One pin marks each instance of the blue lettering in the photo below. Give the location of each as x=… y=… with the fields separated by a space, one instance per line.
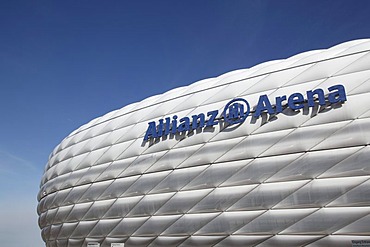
x=234 y=111
x=184 y=124
x=339 y=95
x=167 y=126
x=160 y=128
x=263 y=105
x=279 y=103
x=212 y=116
x=174 y=125
x=198 y=124
x=151 y=131
x=295 y=101
x=311 y=99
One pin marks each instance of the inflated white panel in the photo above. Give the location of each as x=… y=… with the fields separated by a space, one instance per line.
x=304 y=138
x=221 y=198
x=310 y=165
x=355 y=197
x=115 y=168
x=78 y=210
x=62 y=214
x=339 y=241
x=291 y=240
x=127 y=226
x=293 y=178
x=150 y=204
x=98 y=209
x=274 y=221
x=145 y=183
x=241 y=241
x=173 y=158
x=327 y=220
x=178 y=179
x=234 y=220
x=156 y=224
x=267 y=195
x=360 y=226
x=142 y=163
x=118 y=187
x=190 y=223
x=353 y=134
x=258 y=170
x=208 y=153
x=183 y=201
x=319 y=192
x=213 y=176
x=359 y=165
x=234 y=89
x=201 y=241
x=139 y=241
x=122 y=206
x=254 y=145
x=83 y=228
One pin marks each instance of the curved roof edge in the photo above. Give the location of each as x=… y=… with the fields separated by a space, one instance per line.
x=301 y=59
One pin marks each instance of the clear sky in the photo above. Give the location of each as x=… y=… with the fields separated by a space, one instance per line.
x=63 y=63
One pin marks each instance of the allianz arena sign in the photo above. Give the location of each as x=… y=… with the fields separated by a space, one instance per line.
x=273 y=155
x=237 y=110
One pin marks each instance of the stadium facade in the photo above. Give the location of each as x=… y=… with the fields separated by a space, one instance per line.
x=274 y=155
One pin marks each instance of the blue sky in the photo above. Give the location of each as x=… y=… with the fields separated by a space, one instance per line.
x=63 y=63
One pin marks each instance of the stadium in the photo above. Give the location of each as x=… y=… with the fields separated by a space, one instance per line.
x=274 y=155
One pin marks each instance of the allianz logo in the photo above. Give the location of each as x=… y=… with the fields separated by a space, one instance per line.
x=237 y=110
